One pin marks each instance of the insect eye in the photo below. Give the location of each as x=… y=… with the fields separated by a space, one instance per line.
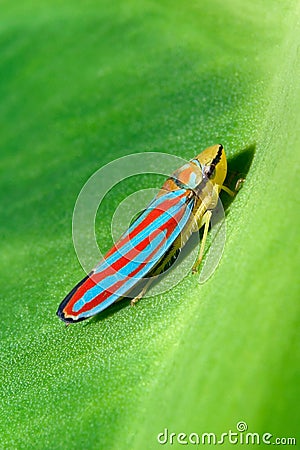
x=210 y=171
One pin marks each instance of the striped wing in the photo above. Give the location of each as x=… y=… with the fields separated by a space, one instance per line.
x=131 y=258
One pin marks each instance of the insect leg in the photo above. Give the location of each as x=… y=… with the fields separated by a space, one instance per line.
x=238 y=186
x=204 y=221
x=141 y=294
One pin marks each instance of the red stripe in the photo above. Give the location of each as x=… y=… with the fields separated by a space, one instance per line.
x=151 y=216
x=92 y=281
x=104 y=295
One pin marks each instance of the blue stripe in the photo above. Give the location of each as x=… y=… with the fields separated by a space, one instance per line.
x=146 y=231
x=110 y=280
x=195 y=161
x=153 y=205
x=106 y=283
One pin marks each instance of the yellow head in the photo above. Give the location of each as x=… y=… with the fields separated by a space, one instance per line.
x=209 y=165
x=213 y=164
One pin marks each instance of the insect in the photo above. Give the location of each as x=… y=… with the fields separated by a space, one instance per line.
x=153 y=241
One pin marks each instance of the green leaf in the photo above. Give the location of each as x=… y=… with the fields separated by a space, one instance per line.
x=81 y=85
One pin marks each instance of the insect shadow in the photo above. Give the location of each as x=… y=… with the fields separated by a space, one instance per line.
x=239 y=166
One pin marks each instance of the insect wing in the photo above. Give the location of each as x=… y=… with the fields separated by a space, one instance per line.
x=131 y=258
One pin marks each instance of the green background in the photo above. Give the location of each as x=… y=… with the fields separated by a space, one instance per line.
x=80 y=85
